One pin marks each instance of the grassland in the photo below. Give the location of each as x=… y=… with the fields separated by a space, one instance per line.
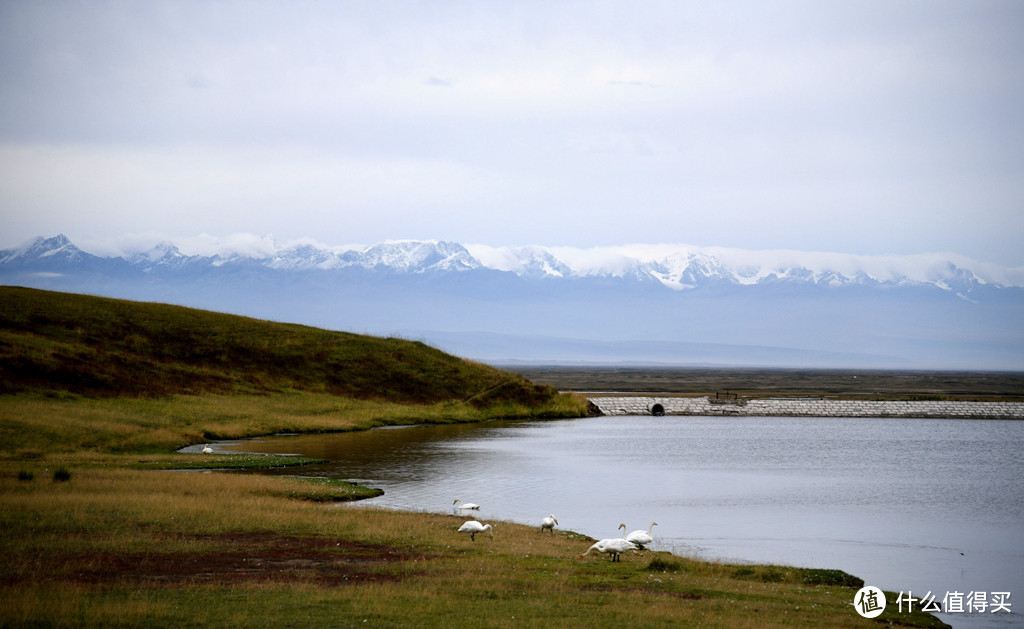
x=113 y=547
x=104 y=528
x=853 y=384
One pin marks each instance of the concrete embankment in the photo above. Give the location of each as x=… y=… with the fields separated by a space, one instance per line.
x=805 y=407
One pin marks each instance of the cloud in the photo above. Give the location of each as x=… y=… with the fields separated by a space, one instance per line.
x=434 y=81
x=869 y=127
x=241 y=244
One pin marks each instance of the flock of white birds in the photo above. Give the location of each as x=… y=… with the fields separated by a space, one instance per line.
x=612 y=546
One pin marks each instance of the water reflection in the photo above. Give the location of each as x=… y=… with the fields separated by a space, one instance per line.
x=385 y=457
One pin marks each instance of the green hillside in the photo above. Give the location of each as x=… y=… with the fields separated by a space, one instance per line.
x=108 y=347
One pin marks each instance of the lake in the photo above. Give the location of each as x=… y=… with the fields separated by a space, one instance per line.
x=906 y=504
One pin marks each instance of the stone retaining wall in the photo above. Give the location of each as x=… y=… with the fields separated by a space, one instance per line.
x=809 y=408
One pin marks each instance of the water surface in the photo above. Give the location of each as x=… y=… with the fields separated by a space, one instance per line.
x=922 y=505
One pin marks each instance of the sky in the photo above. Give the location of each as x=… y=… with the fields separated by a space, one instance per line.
x=870 y=127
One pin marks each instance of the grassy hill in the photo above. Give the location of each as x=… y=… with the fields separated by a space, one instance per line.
x=108 y=347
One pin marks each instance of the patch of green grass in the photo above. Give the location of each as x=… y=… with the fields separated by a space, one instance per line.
x=820 y=576
x=664 y=563
x=809 y=576
x=331 y=490
x=223 y=462
x=33 y=424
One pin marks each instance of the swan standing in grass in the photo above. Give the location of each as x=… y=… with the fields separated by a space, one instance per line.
x=473 y=527
x=613 y=546
x=639 y=537
x=207 y=450
x=465 y=505
x=548 y=523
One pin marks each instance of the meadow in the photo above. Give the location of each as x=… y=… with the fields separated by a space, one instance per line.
x=109 y=546
x=107 y=525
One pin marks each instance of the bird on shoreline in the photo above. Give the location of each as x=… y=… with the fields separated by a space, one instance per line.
x=207 y=450
x=548 y=523
x=613 y=546
x=639 y=537
x=465 y=505
x=473 y=527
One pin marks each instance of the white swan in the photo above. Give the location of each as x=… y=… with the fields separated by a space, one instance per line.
x=473 y=527
x=613 y=546
x=548 y=523
x=207 y=450
x=639 y=537
x=465 y=505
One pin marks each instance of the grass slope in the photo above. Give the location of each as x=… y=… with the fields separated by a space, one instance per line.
x=107 y=347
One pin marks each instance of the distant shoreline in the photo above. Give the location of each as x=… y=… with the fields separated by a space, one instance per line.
x=765 y=383
x=804 y=407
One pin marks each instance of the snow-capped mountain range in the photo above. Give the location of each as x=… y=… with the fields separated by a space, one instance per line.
x=677 y=267
x=666 y=304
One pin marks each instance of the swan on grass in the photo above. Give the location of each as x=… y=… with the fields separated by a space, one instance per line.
x=548 y=523
x=639 y=537
x=613 y=546
x=473 y=527
x=465 y=505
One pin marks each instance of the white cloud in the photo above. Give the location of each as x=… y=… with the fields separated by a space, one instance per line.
x=870 y=127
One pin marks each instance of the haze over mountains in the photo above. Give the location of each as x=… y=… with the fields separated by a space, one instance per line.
x=636 y=304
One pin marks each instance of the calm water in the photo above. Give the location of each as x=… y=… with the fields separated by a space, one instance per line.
x=922 y=505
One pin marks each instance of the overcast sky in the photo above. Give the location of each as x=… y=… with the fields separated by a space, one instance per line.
x=859 y=126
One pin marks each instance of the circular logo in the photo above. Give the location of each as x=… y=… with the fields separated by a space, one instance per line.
x=869 y=601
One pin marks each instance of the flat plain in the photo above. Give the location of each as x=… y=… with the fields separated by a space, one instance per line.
x=761 y=383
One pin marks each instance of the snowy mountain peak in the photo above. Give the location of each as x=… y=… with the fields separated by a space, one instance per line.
x=304 y=256
x=688 y=269
x=58 y=249
x=677 y=267
x=531 y=262
x=160 y=254
x=419 y=256
x=58 y=246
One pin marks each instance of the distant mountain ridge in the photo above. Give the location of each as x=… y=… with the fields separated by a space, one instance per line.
x=677 y=267
x=635 y=304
